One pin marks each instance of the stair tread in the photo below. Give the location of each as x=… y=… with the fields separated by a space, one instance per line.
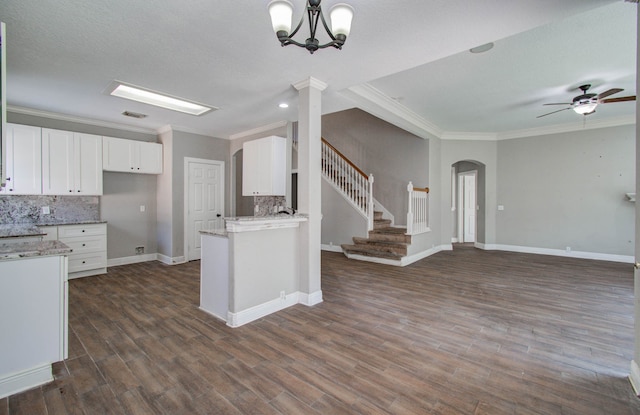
x=359 y=250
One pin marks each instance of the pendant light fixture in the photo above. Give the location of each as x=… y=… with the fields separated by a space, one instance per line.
x=341 y=14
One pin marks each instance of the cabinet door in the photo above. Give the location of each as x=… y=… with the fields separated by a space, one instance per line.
x=149 y=157
x=24 y=168
x=263 y=167
x=117 y=154
x=57 y=162
x=88 y=164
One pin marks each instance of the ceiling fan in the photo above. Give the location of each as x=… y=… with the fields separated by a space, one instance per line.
x=586 y=104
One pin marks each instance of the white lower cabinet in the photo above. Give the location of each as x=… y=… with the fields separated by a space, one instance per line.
x=33 y=321
x=89 y=245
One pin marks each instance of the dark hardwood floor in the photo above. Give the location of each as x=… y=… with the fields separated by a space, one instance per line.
x=461 y=332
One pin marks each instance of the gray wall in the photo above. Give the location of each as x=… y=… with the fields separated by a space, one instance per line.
x=123 y=193
x=392 y=155
x=171 y=185
x=568 y=190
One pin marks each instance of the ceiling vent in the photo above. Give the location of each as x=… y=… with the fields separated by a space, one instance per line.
x=134 y=114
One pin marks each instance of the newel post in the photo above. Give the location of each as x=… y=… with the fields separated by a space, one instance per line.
x=370 y=204
x=410 y=209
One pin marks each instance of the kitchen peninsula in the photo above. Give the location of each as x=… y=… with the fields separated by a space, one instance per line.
x=251 y=268
x=33 y=311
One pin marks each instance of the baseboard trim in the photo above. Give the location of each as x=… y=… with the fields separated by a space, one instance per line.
x=22 y=381
x=262 y=310
x=331 y=248
x=114 y=262
x=310 y=299
x=171 y=261
x=557 y=252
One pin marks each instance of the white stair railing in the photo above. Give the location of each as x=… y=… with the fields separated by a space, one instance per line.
x=418 y=212
x=349 y=180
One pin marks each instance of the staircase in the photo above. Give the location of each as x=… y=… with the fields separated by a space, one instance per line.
x=385 y=243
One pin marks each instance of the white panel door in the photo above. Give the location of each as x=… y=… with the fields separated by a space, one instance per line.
x=24 y=168
x=57 y=162
x=470 y=208
x=205 y=209
x=88 y=164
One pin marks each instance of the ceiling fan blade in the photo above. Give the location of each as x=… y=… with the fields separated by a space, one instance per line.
x=549 y=113
x=609 y=92
x=558 y=103
x=620 y=99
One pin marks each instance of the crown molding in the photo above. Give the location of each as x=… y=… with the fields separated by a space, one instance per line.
x=384 y=107
x=258 y=130
x=587 y=124
x=461 y=135
x=310 y=82
x=80 y=120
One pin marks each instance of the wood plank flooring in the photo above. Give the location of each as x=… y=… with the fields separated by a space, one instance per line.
x=461 y=332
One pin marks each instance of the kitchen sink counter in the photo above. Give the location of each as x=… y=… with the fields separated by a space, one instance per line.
x=10 y=251
x=75 y=222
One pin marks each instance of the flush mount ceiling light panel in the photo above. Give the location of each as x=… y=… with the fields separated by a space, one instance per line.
x=341 y=14
x=147 y=96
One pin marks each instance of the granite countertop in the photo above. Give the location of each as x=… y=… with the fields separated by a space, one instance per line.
x=32 y=249
x=19 y=230
x=280 y=216
x=28 y=229
x=214 y=232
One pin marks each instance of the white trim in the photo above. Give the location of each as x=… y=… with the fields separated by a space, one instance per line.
x=377 y=103
x=134 y=259
x=310 y=299
x=27 y=379
x=310 y=82
x=72 y=118
x=634 y=377
x=382 y=106
x=331 y=248
x=629 y=259
x=171 y=261
x=566 y=128
x=471 y=136
x=261 y=310
x=258 y=130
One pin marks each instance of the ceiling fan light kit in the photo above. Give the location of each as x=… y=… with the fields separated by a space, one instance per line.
x=586 y=104
x=340 y=15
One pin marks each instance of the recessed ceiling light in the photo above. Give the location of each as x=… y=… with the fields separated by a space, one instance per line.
x=147 y=96
x=482 y=48
x=283 y=105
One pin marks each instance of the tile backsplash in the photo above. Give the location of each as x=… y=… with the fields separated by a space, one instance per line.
x=268 y=205
x=29 y=209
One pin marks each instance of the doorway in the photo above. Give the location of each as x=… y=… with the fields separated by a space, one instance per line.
x=467 y=206
x=203 y=200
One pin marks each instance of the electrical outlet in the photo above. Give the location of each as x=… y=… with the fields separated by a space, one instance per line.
x=46 y=210
x=139 y=250
x=282 y=295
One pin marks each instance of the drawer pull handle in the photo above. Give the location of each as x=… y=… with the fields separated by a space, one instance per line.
x=83 y=230
x=84 y=262
x=84 y=244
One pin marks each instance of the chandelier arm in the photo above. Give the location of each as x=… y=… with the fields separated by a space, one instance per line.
x=326 y=27
x=289 y=41
x=313 y=12
x=336 y=44
x=292 y=34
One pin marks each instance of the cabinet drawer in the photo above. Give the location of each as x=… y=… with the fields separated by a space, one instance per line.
x=70 y=231
x=83 y=262
x=83 y=244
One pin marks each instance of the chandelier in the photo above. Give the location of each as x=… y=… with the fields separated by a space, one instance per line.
x=281 y=12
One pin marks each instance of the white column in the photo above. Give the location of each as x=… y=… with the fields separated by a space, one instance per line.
x=309 y=186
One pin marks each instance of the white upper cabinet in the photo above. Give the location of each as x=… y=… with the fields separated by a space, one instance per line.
x=131 y=156
x=264 y=167
x=24 y=168
x=71 y=163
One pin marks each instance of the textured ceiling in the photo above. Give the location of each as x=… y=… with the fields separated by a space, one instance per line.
x=62 y=54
